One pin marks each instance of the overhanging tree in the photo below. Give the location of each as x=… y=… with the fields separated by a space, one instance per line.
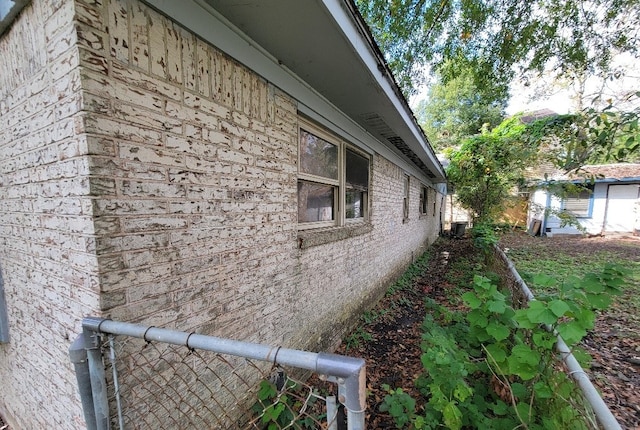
x=457 y=109
x=495 y=39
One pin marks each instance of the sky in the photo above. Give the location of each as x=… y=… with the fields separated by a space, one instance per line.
x=558 y=99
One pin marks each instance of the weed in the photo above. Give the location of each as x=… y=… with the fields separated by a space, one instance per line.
x=277 y=408
x=356 y=338
x=495 y=367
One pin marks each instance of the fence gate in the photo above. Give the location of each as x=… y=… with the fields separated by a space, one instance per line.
x=132 y=376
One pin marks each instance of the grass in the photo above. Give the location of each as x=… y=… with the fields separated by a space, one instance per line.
x=560 y=263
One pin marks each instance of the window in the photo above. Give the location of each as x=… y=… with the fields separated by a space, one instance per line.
x=435 y=195
x=424 y=200
x=4 y=321
x=405 y=199
x=331 y=176
x=578 y=201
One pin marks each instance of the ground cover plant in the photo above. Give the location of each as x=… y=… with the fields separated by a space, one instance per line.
x=614 y=344
x=396 y=373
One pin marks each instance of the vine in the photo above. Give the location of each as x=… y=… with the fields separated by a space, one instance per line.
x=493 y=366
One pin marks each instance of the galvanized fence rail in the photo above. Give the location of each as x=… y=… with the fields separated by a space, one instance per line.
x=522 y=295
x=133 y=376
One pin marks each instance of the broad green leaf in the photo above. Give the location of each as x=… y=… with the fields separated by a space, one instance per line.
x=452 y=416
x=477 y=318
x=498 y=330
x=592 y=284
x=472 y=300
x=538 y=312
x=599 y=301
x=558 y=307
x=267 y=390
x=543 y=390
x=497 y=352
x=572 y=332
x=525 y=411
x=522 y=318
x=499 y=408
x=496 y=306
x=462 y=391
x=543 y=280
x=523 y=362
x=519 y=390
x=272 y=413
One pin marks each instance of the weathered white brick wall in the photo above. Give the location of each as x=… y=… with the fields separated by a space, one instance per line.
x=47 y=249
x=339 y=280
x=195 y=175
x=197 y=208
x=161 y=173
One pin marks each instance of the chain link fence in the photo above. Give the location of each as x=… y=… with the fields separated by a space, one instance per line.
x=149 y=378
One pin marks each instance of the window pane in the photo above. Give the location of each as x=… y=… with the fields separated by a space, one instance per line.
x=579 y=204
x=317 y=156
x=423 y=200
x=405 y=200
x=357 y=174
x=355 y=203
x=315 y=202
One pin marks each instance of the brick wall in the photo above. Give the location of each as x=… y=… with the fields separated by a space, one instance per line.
x=196 y=219
x=339 y=280
x=168 y=184
x=195 y=178
x=47 y=250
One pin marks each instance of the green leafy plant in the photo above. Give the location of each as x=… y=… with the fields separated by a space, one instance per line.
x=484 y=237
x=402 y=408
x=276 y=408
x=357 y=337
x=494 y=366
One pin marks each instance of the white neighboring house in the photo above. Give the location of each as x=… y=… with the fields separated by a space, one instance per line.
x=609 y=205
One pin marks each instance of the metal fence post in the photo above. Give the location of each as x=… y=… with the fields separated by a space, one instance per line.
x=332 y=413
x=97 y=373
x=350 y=374
x=78 y=356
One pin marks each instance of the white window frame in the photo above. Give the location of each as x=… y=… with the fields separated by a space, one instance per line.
x=424 y=200
x=339 y=185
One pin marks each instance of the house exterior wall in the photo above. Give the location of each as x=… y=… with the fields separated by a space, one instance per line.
x=166 y=193
x=196 y=220
x=594 y=224
x=47 y=248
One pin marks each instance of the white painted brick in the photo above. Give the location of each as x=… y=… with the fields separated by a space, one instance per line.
x=119 y=29
x=139 y=37
x=146 y=154
x=152 y=84
x=172 y=190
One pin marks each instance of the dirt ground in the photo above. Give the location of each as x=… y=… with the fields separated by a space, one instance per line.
x=393 y=354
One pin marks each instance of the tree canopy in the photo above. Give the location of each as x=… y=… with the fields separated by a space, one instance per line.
x=487 y=167
x=495 y=39
x=457 y=109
